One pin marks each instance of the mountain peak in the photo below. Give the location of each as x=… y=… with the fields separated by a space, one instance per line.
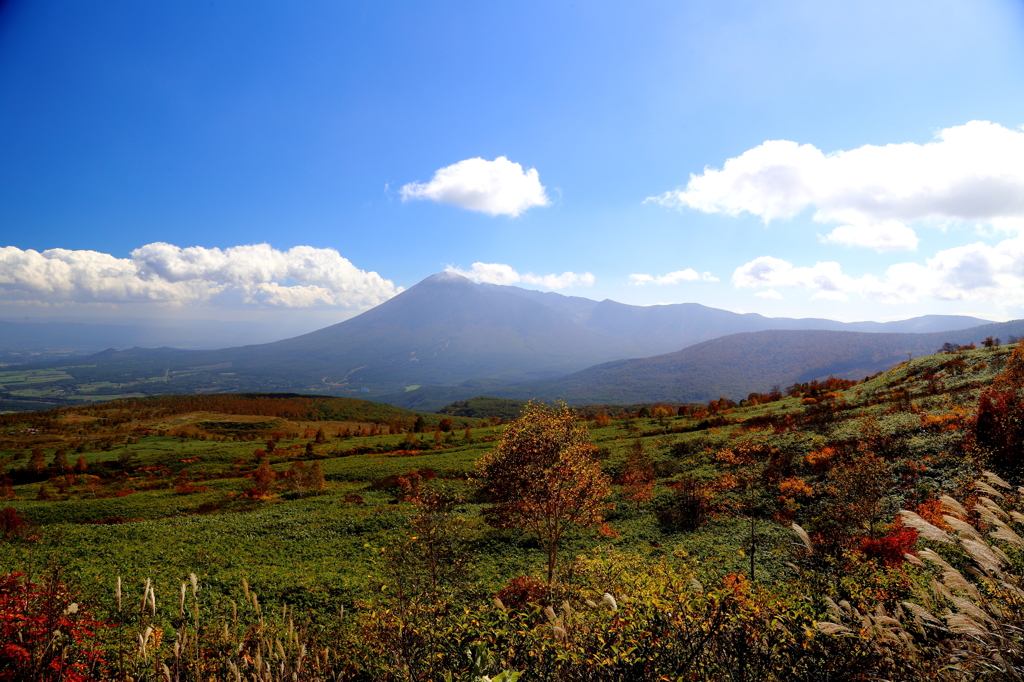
x=447 y=277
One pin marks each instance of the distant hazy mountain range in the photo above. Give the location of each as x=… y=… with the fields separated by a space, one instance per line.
x=447 y=331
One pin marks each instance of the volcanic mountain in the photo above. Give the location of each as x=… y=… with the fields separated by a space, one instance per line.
x=447 y=330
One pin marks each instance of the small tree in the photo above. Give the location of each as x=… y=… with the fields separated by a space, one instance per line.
x=37 y=462
x=60 y=465
x=263 y=479
x=637 y=477
x=544 y=478
x=317 y=483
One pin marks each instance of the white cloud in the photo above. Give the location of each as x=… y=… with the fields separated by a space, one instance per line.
x=970 y=173
x=166 y=274
x=499 y=273
x=973 y=272
x=887 y=235
x=775 y=272
x=687 y=275
x=770 y=293
x=498 y=187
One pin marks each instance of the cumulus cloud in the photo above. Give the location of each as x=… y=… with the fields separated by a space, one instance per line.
x=885 y=235
x=498 y=187
x=256 y=274
x=973 y=272
x=770 y=293
x=970 y=173
x=499 y=273
x=687 y=275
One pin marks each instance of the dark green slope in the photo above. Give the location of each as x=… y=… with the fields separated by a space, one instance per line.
x=735 y=365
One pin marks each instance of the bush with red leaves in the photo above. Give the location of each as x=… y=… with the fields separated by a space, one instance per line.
x=521 y=592
x=44 y=635
x=889 y=549
x=12 y=525
x=998 y=430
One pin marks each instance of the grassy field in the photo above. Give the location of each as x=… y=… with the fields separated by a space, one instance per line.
x=163 y=492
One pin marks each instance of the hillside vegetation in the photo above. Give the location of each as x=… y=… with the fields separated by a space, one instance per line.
x=347 y=552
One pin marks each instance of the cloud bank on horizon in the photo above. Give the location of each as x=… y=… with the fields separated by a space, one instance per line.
x=500 y=273
x=974 y=272
x=687 y=275
x=971 y=173
x=499 y=187
x=165 y=274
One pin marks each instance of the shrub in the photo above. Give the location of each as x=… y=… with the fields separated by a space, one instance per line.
x=688 y=507
x=45 y=636
x=520 y=592
x=12 y=525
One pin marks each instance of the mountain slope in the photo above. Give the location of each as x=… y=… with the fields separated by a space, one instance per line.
x=444 y=331
x=735 y=365
x=730 y=366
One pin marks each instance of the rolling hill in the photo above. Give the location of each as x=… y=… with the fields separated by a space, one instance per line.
x=730 y=367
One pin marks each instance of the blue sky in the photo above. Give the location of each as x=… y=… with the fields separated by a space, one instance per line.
x=147 y=150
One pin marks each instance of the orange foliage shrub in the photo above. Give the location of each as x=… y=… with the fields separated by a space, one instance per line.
x=932 y=511
x=795 y=487
x=820 y=460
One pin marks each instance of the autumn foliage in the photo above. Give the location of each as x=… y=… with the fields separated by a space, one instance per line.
x=544 y=478
x=44 y=635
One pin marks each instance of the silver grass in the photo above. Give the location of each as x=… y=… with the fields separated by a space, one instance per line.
x=695 y=584
x=912 y=558
x=1004 y=533
x=921 y=612
x=963 y=625
x=962 y=527
x=609 y=600
x=986 y=488
x=833 y=628
x=995 y=480
x=991 y=506
x=925 y=529
x=969 y=608
x=550 y=613
x=804 y=537
x=953 y=506
x=982 y=554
